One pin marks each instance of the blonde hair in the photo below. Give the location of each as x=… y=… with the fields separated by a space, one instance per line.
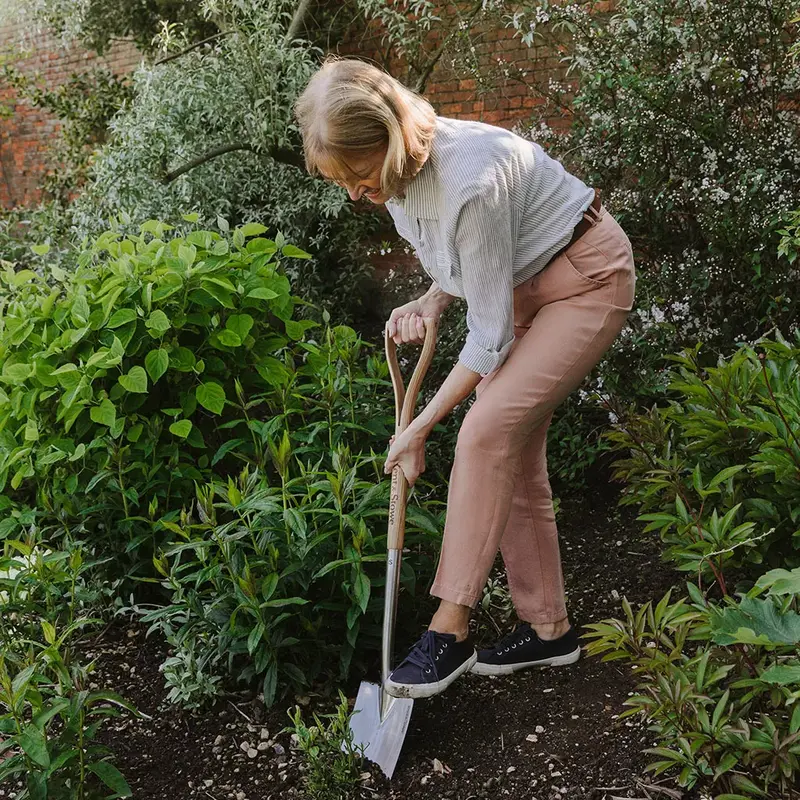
x=351 y=108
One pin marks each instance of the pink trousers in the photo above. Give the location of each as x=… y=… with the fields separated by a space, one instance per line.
x=565 y=318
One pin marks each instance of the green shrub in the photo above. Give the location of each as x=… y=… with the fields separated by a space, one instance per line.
x=49 y=223
x=212 y=131
x=716 y=470
x=49 y=717
x=114 y=376
x=165 y=399
x=720 y=685
x=275 y=582
x=681 y=113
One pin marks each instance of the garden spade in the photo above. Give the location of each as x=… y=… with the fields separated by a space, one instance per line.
x=379 y=721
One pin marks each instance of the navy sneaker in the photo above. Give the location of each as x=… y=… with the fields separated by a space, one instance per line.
x=433 y=663
x=522 y=648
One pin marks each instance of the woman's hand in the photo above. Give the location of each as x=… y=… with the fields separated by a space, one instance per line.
x=408 y=452
x=408 y=323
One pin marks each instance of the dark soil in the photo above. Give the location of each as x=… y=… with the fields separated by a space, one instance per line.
x=552 y=734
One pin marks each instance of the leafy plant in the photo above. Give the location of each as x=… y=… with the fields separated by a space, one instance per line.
x=50 y=719
x=681 y=113
x=720 y=684
x=276 y=582
x=332 y=760
x=716 y=473
x=164 y=398
x=716 y=470
x=112 y=374
x=48 y=715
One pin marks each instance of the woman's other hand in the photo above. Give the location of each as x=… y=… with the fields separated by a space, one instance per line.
x=408 y=452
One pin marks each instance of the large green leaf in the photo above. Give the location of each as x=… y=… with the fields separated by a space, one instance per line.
x=780 y=581
x=229 y=338
x=782 y=674
x=111 y=777
x=34 y=745
x=240 y=324
x=121 y=317
x=361 y=589
x=262 y=293
x=182 y=359
x=156 y=363
x=135 y=380
x=755 y=621
x=290 y=251
x=80 y=311
x=211 y=396
x=181 y=428
x=158 y=323
x=37 y=785
x=105 y=413
x=253 y=229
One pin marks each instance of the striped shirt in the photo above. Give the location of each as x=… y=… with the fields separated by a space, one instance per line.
x=485 y=213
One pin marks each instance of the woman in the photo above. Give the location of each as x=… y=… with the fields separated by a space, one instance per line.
x=548 y=277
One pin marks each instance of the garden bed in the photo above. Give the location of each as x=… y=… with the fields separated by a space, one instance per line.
x=545 y=734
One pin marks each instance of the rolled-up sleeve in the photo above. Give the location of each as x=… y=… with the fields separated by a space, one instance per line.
x=486 y=252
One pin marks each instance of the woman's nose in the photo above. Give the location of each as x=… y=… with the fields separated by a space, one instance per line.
x=355 y=194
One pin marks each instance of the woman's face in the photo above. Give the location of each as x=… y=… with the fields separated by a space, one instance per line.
x=366 y=177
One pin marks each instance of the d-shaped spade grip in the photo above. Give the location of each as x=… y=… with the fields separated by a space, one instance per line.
x=405 y=402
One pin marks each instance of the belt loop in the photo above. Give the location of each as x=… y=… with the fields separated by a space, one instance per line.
x=592 y=214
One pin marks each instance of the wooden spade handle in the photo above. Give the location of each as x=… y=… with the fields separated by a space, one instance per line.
x=405 y=402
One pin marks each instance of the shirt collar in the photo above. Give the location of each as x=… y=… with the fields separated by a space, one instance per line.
x=422 y=192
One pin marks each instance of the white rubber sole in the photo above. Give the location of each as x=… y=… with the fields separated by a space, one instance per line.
x=418 y=691
x=480 y=668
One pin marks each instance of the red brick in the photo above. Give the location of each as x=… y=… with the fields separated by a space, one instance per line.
x=25 y=137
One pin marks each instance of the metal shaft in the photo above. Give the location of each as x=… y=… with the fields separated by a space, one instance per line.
x=393 y=558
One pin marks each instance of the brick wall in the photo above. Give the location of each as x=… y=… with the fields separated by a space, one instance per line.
x=499 y=53
x=25 y=135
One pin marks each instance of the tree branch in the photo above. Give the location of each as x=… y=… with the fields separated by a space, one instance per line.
x=283 y=155
x=429 y=67
x=193 y=47
x=299 y=16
